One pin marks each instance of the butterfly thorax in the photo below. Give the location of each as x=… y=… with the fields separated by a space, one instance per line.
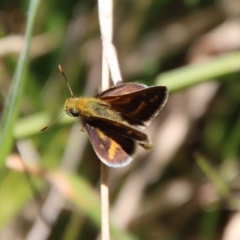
x=91 y=108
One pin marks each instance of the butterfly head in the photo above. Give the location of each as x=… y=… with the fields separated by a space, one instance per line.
x=71 y=107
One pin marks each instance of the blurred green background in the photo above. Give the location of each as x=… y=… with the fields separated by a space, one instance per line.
x=187 y=187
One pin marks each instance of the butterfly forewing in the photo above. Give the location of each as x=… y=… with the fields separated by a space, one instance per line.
x=121 y=129
x=142 y=105
x=112 y=149
x=123 y=89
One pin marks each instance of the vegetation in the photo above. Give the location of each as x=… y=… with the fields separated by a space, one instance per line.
x=186 y=187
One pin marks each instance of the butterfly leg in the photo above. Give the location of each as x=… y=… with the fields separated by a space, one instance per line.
x=146 y=146
x=83 y=129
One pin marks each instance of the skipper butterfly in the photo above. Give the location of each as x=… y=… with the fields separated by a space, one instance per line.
x=115 y=119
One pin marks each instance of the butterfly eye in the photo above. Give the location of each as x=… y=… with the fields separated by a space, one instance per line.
x=74 y=112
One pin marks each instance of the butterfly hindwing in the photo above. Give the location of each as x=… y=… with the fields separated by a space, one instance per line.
x=112 y=149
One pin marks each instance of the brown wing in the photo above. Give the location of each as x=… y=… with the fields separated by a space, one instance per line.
x=120 y=129
x=112 y=149
x=122 y=89
x=141 y=105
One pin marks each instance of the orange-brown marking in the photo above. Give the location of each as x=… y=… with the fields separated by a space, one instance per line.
x=113 y=149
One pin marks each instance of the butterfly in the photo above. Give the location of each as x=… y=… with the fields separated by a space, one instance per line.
x=115 y=119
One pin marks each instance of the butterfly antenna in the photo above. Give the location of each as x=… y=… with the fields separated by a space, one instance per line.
x=44 y=128
x=62 y=72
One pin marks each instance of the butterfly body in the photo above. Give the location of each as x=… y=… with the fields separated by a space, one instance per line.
x=88 y=108
x=114 y=119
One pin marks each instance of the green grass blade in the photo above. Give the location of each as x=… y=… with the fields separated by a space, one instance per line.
x=192 y=74
x=82 y=195
x=213 y=176
x=12 y=103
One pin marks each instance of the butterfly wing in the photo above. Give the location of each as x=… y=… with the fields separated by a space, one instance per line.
x=113 y=149
x=115 y=141
x=121 y=129
x=122 y=89
x=138 y=107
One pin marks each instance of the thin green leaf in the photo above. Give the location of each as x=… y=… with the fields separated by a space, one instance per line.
x=12 y=103
x=192 y=74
